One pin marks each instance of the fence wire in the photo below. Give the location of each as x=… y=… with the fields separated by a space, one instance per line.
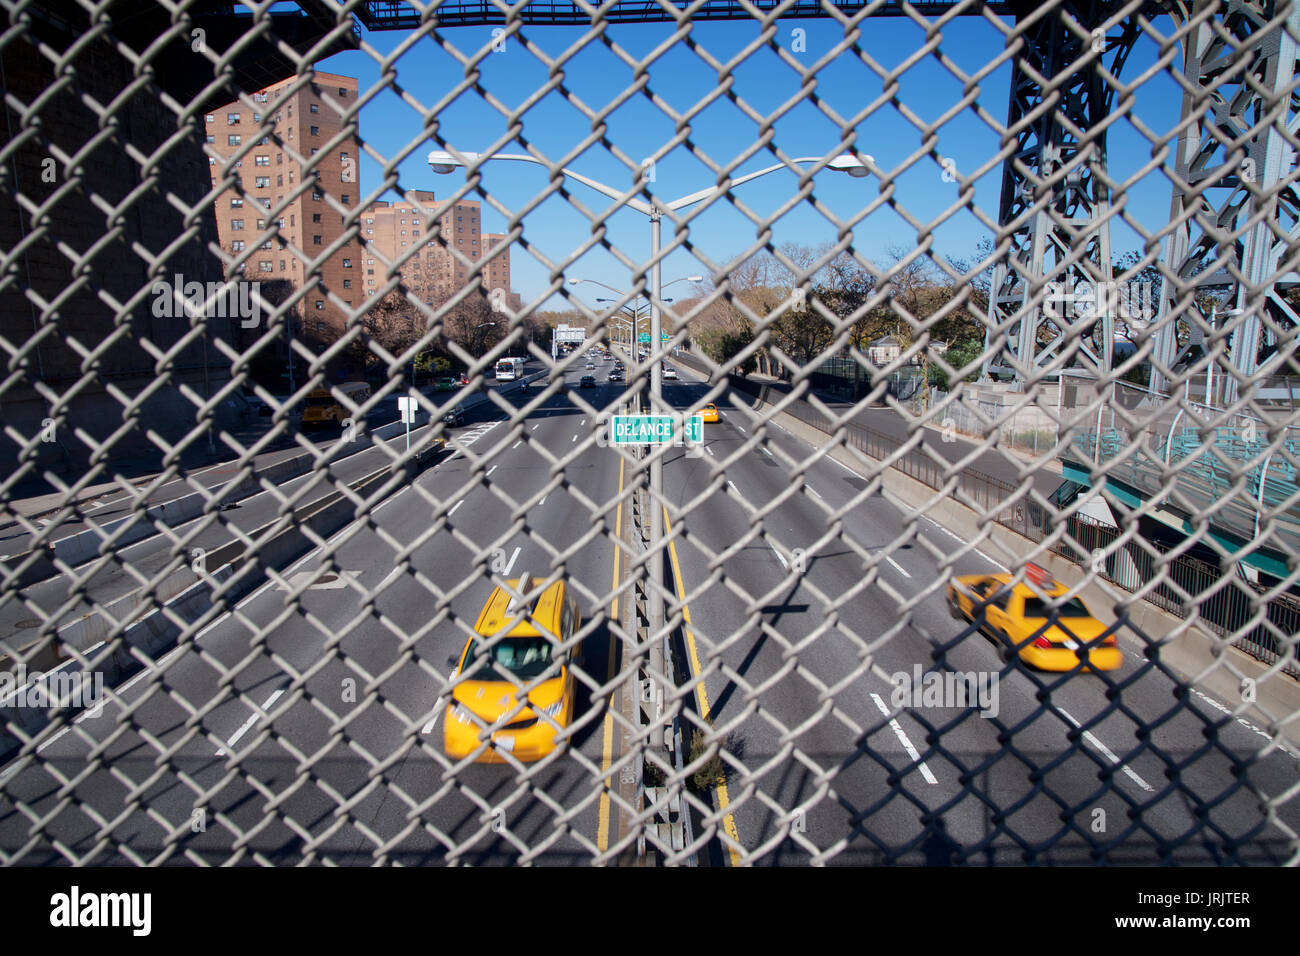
x=242 y=601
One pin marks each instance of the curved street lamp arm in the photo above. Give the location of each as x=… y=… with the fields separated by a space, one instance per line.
x=706 y=193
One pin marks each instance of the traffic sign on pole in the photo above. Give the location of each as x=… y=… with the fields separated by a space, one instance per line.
x=655 y=429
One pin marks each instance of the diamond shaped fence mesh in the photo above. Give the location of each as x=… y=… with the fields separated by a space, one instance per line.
x=867 y=434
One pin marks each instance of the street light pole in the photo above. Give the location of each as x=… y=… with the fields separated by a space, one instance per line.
x=442 y=162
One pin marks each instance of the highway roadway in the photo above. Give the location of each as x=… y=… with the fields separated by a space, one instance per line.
x=309 y=729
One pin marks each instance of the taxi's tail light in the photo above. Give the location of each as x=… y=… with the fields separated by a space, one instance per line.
x=1109 y=640
x=1043 y=643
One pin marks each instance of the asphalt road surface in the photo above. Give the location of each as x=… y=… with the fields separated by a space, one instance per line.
x=310 y=729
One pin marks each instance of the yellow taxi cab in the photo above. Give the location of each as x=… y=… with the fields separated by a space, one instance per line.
x=709 y=413
x=1049 y=638
x=493 y=681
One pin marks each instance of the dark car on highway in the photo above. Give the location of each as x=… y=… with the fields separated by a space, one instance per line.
x=588 y=381
x=455 y=416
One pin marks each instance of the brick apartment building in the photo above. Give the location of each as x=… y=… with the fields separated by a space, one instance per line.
x=288 y=207
x=289 y=190
x=392 y=229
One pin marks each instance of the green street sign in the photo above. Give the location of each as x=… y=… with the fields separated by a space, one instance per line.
x=644 y=337
x=655 y=429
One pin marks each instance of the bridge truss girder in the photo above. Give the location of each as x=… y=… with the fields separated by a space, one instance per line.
x=1055 y=204
x=1235 y=212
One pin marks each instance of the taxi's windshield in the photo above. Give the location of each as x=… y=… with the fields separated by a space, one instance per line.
x=524 y=657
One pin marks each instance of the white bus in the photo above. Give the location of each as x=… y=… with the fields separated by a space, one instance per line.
x=509 y=369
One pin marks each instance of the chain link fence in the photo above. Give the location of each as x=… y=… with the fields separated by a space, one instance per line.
x=268 y=467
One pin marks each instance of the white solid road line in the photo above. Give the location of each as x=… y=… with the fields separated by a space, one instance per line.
x=516 y=444
x=512 y=562
x=907 y=744
x=454 y=507
x=573 y=439
x=1088 y=735
x=846 y=468
x=492 y=469
x=897 y=567
x=766 y=452
x=384 y=504
x=534 y=428
x=249 y=723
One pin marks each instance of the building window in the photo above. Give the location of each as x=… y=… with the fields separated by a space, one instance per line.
x=314 y=150
x=237 y=245
x=267 y=245
x=314 y=107
x=209 y=118
x=236 y=202
x=320 y=307
x=315 y=194
x=236 y=224
x=343 y=156
x=403 y=232
x=265 y=266
x=370 y=272
x=262 y=160
x=343 y=94
x=261 y=224
x=232 y=119
x=233 y=139
x=347 y=263
x=315 y=240
x=315 y=217
x=257 y=117
x=320 y=326
x=212 y=139
x=281 y=265
x=279 y=179
x=315 y=130
x=279 y=159
x=346 y=198
x=262 y=182
x=347 y=283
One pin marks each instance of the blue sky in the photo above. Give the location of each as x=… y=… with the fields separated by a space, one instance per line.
x=679 y=78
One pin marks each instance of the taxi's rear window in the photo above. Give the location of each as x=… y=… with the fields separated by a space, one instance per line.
x=1037 y=607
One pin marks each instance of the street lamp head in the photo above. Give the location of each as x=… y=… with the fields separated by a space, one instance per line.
x=848 y=163
x=695 y=278
x=443 y=162
x=576 y=281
